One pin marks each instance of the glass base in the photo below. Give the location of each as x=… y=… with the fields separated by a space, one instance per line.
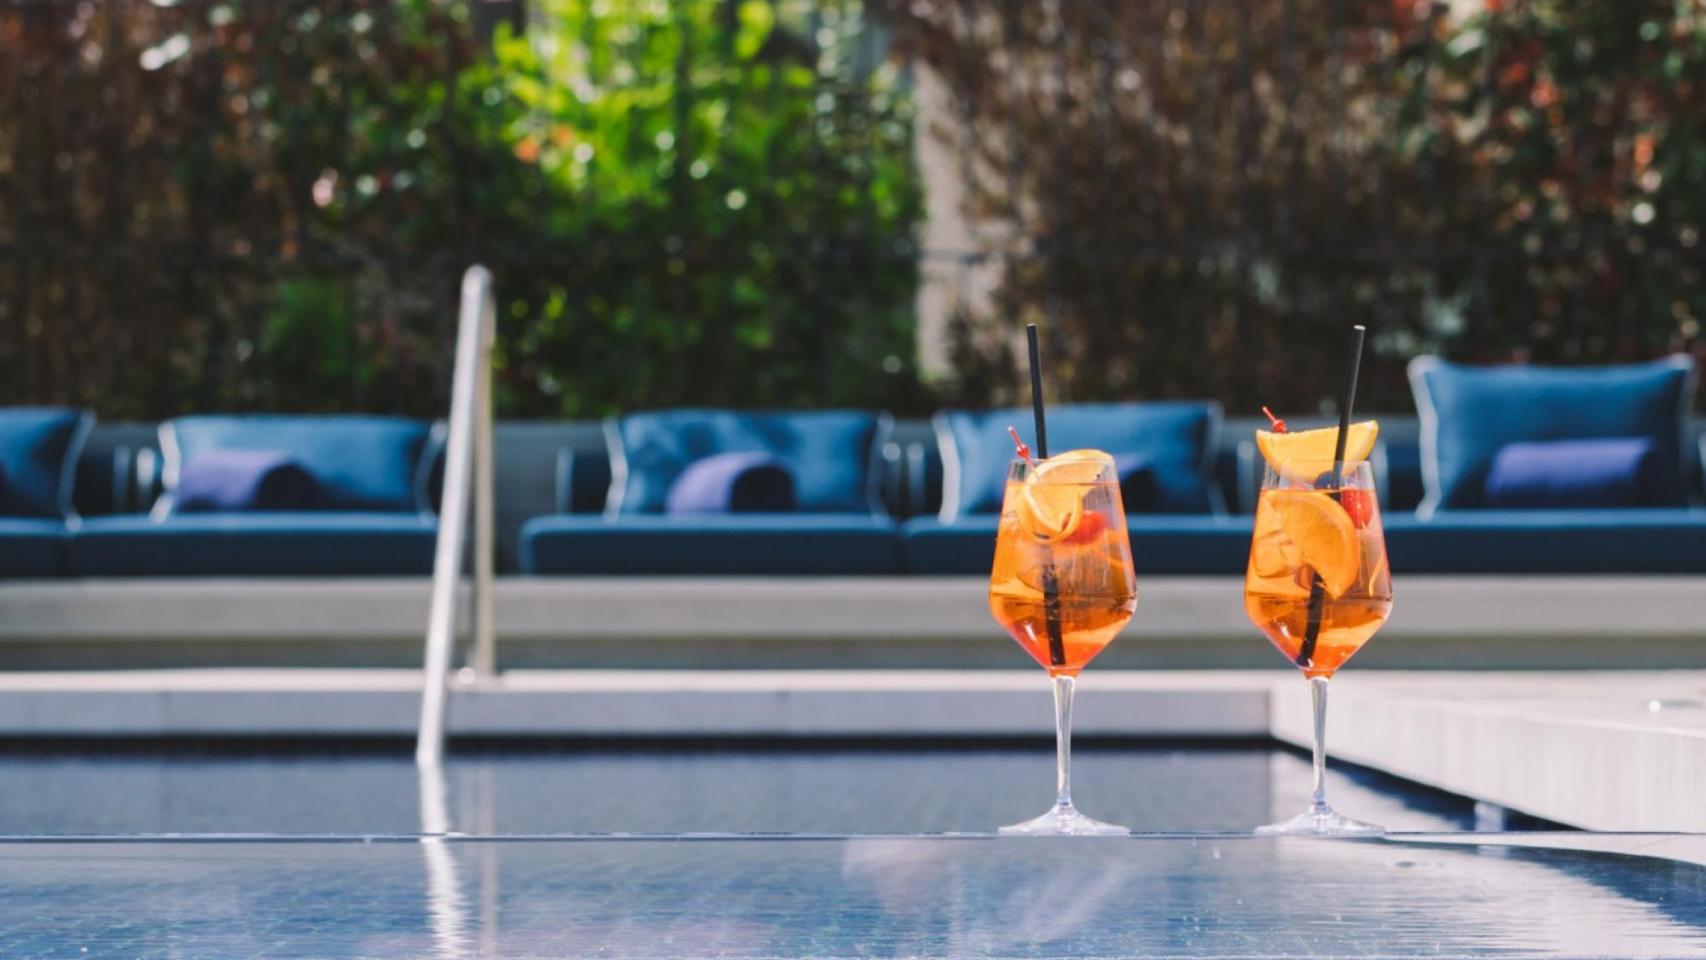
x=1064 y=820
x=1321 y=821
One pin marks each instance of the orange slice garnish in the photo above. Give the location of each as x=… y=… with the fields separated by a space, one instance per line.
x=1272 y=553
x=1051 y=505
x=1325 y=538
x=1316 y=446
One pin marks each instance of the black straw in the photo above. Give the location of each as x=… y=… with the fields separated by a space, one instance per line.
x=1037 y=391
x=1051 y=587
x=1347 y=397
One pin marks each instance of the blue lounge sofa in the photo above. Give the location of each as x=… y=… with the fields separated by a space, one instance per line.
x=1624 y=541
x=876 y=498
x=1477 y=420
x=1184 y=528
x=39 y=447
x=837 y=524
x=368 y=512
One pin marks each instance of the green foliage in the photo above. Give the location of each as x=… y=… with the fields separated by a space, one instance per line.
x=1198 y=199
x=223 y=205
x=732 y=191
x=1576 y=133
x=308 y=341
x=218 y=205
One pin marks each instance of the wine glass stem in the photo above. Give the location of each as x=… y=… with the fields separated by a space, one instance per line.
x=1318 y=695
x=1063 y=739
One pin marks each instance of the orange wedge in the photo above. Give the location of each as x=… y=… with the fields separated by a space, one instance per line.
x=1326 y=538
x=1052 y=504
x=1316 y=446
x=1272 y=554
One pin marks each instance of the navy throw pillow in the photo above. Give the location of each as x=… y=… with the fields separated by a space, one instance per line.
x=733 y=483
x=37 y=446
x=1140 y=489
x=1611 y=472
x=226 y=481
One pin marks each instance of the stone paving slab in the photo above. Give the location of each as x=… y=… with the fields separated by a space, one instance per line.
x=761 y=622
x=1600 y=750
x=600 y=703
x=1609 y=750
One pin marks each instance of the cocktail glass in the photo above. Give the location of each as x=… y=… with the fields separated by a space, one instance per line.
x=1319 y=587
x=1062 y=587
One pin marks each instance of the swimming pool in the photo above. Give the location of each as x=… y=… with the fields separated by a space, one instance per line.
x=885 y=788
x=1511 y=895
x=331 y=868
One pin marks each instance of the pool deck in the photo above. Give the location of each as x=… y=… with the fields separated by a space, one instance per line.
x=1587 y=705
x=1603 y=750
x=1488 y=622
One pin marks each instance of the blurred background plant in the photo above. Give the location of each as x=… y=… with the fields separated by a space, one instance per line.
x=729 y=204
x=220 y=205
x=1201 y=197
x=207 y=204
x=1574 y=135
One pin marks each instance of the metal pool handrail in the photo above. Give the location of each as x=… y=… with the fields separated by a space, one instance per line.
x=467 y=482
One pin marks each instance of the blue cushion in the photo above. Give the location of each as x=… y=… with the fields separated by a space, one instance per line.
x=1669 y=540
x=38 y=451
x=358 y=463
x=255 y=544
x=1140 y=492
x=1470 y=413
x=243 y=480
x=797 y=543
x=1398 y=471
x=733 y=483
x=31 y=548
x=1176 y=439
x=828 y=452
x=1616 y=472
x=1160 y=545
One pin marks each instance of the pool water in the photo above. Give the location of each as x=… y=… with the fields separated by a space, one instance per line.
x=1463 y=895
x=509 y=891
x=864 y=789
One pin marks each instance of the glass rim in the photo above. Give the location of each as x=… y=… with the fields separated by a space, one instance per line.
x=1108 y=459
x=1327 y=462
x=1107 y=472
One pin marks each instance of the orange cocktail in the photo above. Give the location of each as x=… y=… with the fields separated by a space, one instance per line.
x=1062 y=587
x=1326 y=541
x=1063 y=520
x=1318 y=584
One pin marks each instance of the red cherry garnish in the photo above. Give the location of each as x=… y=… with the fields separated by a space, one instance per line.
x=1090 y=527
x=1359 y=504
x=1023 y=450
x=1279 y=425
